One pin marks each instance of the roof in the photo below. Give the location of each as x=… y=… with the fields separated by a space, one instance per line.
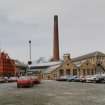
x=38 y=67
x=35 y=70
x=93 y=54
x=45 y=64
x=52 y=68
x=19 y=63
x=44 y=67
x=78 y=65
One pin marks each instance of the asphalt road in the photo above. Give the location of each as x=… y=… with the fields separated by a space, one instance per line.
x=53 y=93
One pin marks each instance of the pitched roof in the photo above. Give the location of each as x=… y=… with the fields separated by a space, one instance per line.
x=19 y=63
x=93 y=54
x=52 y=68
x=44 y=67
x=45 y=64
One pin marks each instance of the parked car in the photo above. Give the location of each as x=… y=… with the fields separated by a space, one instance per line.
x=62 y=78
x=102 y=77
x=82 y=79
x=2 y=80
x=35 y=79
x=90 y=78
x=25 y=82
x=93 y=78
x=6 y=78
x=98 y=78
x=12 y=79
x=73 y=79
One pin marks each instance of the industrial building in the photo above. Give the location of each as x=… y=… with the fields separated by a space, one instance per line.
x=89 y=64
x=92 y=63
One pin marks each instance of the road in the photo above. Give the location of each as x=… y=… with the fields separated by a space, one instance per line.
x=53 y=93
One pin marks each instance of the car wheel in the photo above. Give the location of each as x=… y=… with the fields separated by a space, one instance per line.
x=18 y=86
x=94 y=81
x=31 y=85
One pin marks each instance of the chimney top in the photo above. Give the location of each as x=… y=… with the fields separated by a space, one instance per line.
x=56 y=18
x=55 y=15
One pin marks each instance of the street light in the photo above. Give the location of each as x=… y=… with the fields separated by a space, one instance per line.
x=29 y=62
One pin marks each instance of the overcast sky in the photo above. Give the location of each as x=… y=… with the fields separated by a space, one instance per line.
x=81 y=27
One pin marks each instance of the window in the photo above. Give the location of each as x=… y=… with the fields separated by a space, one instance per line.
x=74 y=71
x=84 y=72
x=67 y=64
x=92 y=71
x=88 y=71
x=68 y=71
x=61 y=72
x=54 y=75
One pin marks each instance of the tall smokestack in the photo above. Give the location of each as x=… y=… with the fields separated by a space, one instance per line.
x=56 y=40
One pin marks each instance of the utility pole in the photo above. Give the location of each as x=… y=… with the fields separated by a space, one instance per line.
x=29 y=62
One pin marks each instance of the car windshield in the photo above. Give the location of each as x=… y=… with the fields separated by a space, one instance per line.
x=24 y=78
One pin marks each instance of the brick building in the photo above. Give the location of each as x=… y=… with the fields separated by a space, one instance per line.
x=90 y=64
x=66 y=67
x=7 y=65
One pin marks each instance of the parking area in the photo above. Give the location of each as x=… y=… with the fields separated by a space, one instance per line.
x=53 y=93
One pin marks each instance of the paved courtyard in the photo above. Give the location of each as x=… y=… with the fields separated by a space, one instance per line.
x=53 y=93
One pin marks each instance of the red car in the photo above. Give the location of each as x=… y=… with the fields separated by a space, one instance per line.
x=35 y=80
x=25 y=82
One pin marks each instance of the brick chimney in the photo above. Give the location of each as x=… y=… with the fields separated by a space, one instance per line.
x=56 y=40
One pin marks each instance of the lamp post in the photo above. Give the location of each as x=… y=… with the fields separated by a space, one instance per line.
x=29 y=62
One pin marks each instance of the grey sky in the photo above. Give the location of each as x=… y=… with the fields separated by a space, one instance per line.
x=81 y=27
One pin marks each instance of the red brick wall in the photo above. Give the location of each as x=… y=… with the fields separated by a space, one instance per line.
x=7 y=65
